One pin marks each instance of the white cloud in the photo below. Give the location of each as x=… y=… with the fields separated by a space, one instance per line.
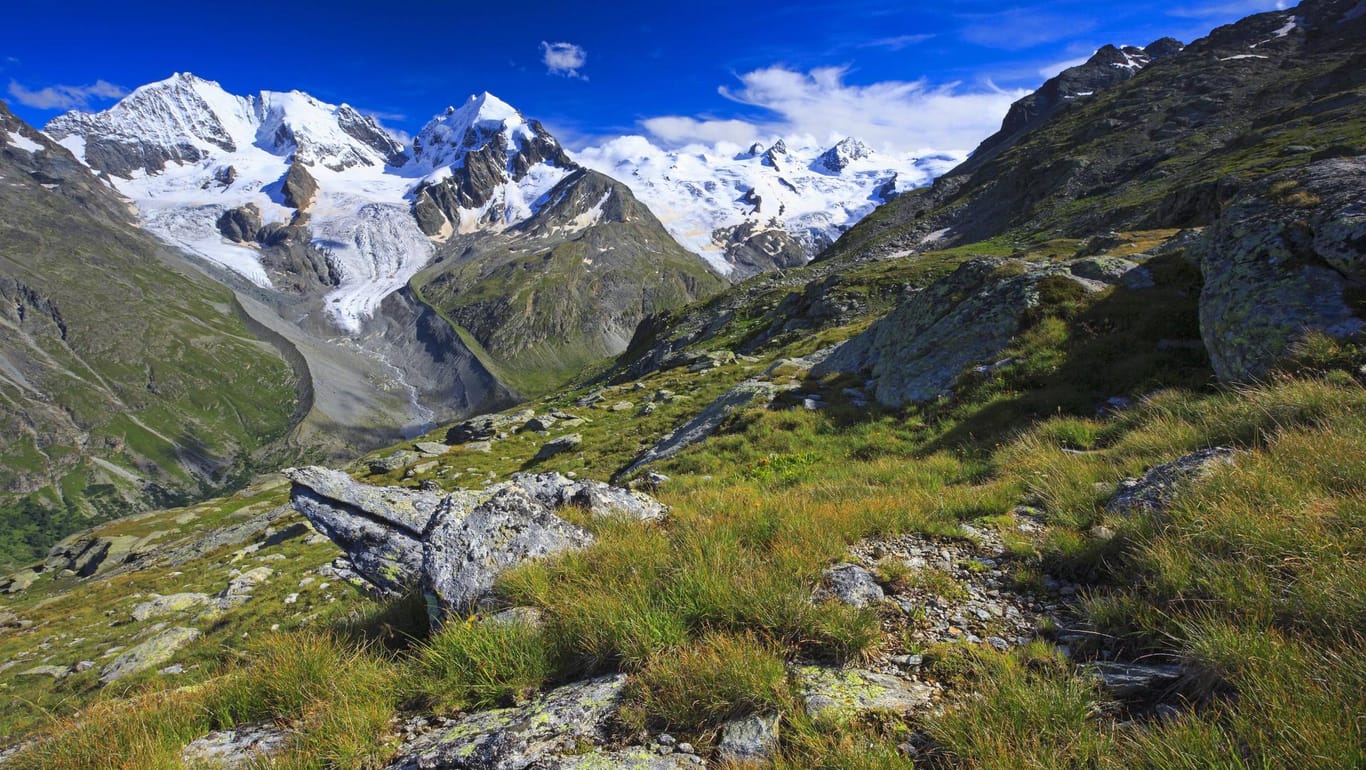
x=679 y=130
x=564 y=59
x=65 y=97
x=902 y=116
x=896 y=43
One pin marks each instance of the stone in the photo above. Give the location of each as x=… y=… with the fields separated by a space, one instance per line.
x=479 y=446
x=462 y=555
x=149 y=654
x=432 y=448
x=241 y=224
x=746 y=394
x=623 y=406
x=56 y=672
x=636 y=758
x=298 y=187
x=1128 y=680
x=531 y=617
x=167 y=605
x=840 y=695
x=1107 y=270
x=748 y=741
x=540 y=424
x=394 y=461
x=600 y=499
x=566 y=443
x=851 y=584
x=1153 y=492
x=917 y=352
x=556 y=725
x=379 y=528
x=1282 y=261
x=19 y=581
x=237 y=749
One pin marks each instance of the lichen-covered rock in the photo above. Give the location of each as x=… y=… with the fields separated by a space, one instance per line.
x=840 y=695
x=392 y=462
x=1154 y=490
x=850 y=584
x=19 y=581
x=918 y=351
x=431 y=448
x=747 y=393
x=600 y=499
x=238 y=748
x=1107 y=270
x=167 y=605
x=567 y=443
x=462 y=555
x=748 y=741
x=380 y=528
x=1279 y=263
x=554 y=726
x=149 y=654
x=454 y=545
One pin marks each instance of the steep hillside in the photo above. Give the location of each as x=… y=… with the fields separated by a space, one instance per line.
x=126 y=381
x=565 y=288
x=1164 y=145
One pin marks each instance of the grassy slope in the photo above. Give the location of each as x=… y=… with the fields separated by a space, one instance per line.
x=1253 y=578
x=154 y=374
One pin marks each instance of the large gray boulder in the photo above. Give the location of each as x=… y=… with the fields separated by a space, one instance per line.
x=918 y=351
x=454 y=545
x=462 y=555
x=149 y=654
x=1280 y=263
x=379 y=528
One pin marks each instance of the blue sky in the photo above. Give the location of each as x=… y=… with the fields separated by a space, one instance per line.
x=906 y=74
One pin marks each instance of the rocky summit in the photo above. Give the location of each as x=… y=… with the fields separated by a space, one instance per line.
x=724 y=446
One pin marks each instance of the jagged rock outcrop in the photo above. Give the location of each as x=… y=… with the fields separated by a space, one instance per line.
x=241 y=224
x=298 y=187
x=918 y=351
x=1285 y=259
x=453 y=546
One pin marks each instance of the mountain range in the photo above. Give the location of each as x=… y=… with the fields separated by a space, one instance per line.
x=723 y=456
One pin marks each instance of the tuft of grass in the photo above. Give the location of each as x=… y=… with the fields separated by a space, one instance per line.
x=715 y=679
x=470 y=664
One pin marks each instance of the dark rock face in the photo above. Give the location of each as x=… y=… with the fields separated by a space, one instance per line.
x=363 y=129
x=482 y=169
x=1106 y=67
x=918 y=351
x=241 y=224
x=455 y=545
x=756 y=249
x=1282 y=261
x=298 y=187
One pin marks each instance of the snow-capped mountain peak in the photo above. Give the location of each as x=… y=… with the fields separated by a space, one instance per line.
x=845 y=152
x=317 y=133
x=446 y=138
x=746 y=211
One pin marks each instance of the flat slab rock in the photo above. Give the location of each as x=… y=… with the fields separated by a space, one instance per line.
x=839 y=695
x=550 y=731
x=236 y=749
x=149 y=654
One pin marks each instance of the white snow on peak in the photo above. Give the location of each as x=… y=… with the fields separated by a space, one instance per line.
x=697 y=190
x=447 y=137
x=20 y=141
x=236 y=150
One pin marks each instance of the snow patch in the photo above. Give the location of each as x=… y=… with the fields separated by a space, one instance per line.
x=22 y=142
x=1245 y=56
